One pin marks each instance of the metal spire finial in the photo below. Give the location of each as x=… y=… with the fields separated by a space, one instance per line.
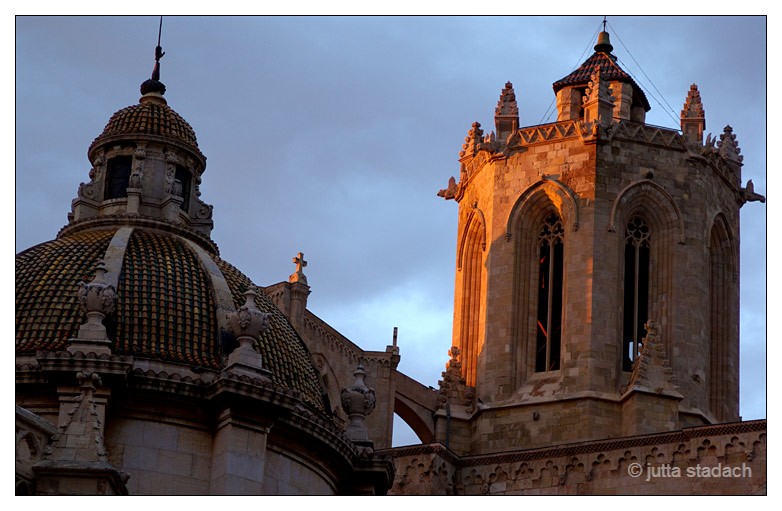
x=154 y=84
x=158 y=52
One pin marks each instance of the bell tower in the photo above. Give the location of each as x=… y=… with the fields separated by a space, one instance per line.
x=596 y=290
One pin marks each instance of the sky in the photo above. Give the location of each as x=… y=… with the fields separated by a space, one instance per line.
x=331 y=136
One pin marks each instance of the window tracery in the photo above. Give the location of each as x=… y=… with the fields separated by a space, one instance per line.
x=550 y=280
x=636 y=288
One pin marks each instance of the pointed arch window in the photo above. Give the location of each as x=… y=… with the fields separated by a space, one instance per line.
x=636 y=288
x=550 y=286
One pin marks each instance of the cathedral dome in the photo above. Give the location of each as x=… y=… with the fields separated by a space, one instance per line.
x=151 y=118
x=171 y=299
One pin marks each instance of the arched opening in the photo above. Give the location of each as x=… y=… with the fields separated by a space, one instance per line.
x=403 y=433
x=472 y=266
x=414 y=420
x=117 y=177
x=723 y=399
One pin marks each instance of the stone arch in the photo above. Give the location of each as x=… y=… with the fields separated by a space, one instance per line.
x=649 y=201
x=420 y=421
x=475 y=216
x=472 y=248
x=535 y=204
x=667 y=210
x=559 y=194
x=723 y=321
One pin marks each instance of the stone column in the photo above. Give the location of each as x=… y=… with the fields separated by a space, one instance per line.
x=238 y=455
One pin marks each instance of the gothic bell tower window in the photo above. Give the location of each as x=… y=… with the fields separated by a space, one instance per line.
x=550 y=286
x=117 y=177
x=636 y=288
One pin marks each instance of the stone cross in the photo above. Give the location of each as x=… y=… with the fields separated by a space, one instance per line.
x=300 y=262
x=298 y=275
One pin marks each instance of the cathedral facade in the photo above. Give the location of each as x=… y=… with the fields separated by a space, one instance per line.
x=595 y=337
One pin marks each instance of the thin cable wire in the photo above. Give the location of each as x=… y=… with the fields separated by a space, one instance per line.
x=549 y=112
x=670 y=109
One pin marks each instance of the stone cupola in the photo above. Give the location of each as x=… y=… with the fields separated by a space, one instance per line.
x=146 y=165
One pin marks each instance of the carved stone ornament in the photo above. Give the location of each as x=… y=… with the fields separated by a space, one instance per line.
x=176 y=188
x=507 y=106
x=729 y=146
x=97 y=296
x=748 y=194
x=135 y=178
x=203 y=211
x=597 y=89
x=693 y=107
x=450 y=191
x=358 y=401
x=453 y=387
x=170 y=173
x=472 y=142
x=652 y=370
x=248 y=323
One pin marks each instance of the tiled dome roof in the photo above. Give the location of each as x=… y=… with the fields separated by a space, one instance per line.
x=154 y=118
x=165 y=305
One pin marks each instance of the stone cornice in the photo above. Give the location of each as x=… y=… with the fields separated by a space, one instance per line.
x=647 y=134
x=117 y=221
x=595 y=446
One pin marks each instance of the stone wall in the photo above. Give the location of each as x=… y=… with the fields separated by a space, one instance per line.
x=724 y=459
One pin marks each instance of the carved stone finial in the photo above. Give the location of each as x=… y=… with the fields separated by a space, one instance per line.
x=97 y=299
x=473 y=141
x=248 y=322
x=358 y=401
x=506 y=115
x=651 y=370
x=693 y=117
x=598 y=103
x=97 y=295
x=79 y=438
x=453 y=386
x=298 y=275
x=693 y=108
x=728 y=146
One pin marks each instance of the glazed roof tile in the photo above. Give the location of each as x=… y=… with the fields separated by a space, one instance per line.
x=149 y=118
x=165 y=306
x=47 y=282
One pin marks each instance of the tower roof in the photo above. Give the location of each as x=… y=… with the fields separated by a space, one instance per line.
x=151 y=117
x=609 y=70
